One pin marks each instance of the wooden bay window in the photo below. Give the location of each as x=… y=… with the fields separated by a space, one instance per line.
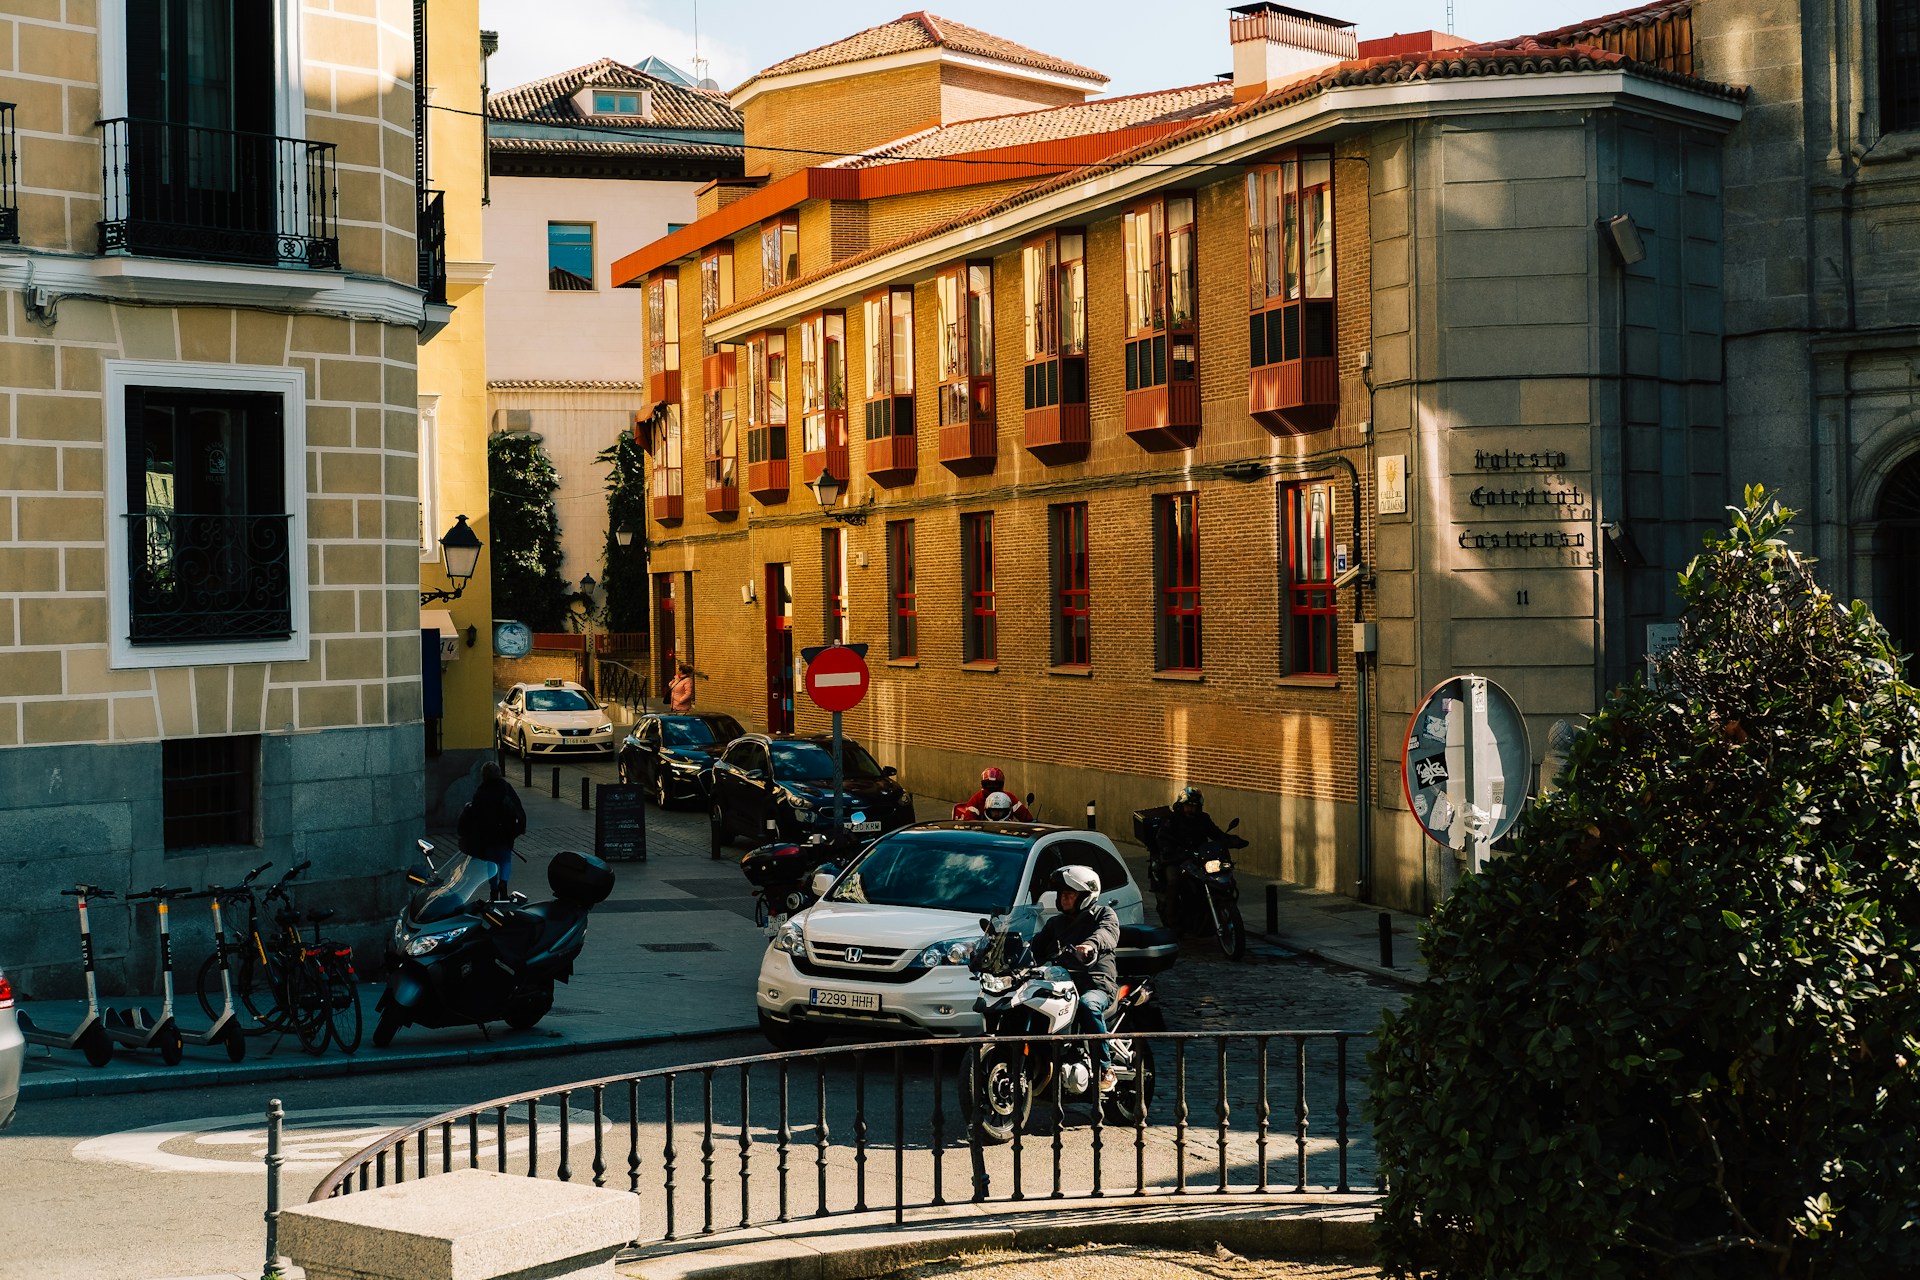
x=823 y=395
x=1162 y=353
x=1293 y=383
x=663 y=336
x=965 y=344
x=779 y=250
x=763 y=393
x=1053 y=272
x=718 y=380
x=892 y=456
x=667 y=499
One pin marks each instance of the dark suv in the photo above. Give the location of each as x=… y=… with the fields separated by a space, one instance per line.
x=789 y=779
x=669 y=755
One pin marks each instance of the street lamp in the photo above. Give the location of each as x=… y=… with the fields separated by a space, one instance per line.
x=827 y=489
x=460 y=555
x=584 y=598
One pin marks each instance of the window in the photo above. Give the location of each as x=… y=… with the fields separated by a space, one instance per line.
x=823 y=388
x=1312 y=616
x=1160 y=289
x=619 y=104
x=1899 y=65
x=976 y=569
x=1072 y=853
x=663 y=323
x=889 y=325
x=1069 y=557
x=723 y=445
x=763 y=390
x=1177 y=566
x=833 y=574
x=779 y=250
x=667 y=480
x=210 y=475
x=1054 y=284
x=429 y=458
x=1290 y=259
x=965 y=343
x=903 y=622
x=674 y=226
x=716 y=279
x=569 y=256
x=207 y=791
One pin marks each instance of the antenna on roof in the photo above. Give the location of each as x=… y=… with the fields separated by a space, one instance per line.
x=1449 y=17
x=700 y=63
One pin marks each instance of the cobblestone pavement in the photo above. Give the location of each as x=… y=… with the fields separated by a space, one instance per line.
x=1131 y=1262
x=1207 y=992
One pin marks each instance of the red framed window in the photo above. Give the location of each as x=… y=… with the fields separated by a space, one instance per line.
x=1053 y=272
x=964 y=298
x=716 y=279
x=1070 y=599
x=903 y=623
x=833 y=578
x=663 y=322
x=1290 y=258
x=1313 y=618
x=976 y=566
x=889 y=335
x=666 y=455
x=763 y=390
x=1177 y=565
x=1161 y=285
x=722 y=427
x=780 y=250
x=823 y=382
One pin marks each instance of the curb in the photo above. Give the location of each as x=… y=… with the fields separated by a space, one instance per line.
x=1345 y=962
x=299 y=1066
x=1266 y=1230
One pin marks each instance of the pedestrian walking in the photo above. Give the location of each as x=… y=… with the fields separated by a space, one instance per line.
x=491 y=822
x=680 y=692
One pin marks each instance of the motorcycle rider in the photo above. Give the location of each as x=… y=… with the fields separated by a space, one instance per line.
x=993 y=778
x=1187 y=828
x=1081 y=939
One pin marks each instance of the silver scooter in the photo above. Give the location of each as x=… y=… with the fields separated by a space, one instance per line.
x=132 y=1027
x=225 y=1029
x=90 y=1037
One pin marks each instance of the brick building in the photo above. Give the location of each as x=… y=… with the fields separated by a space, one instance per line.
x=1141 y=404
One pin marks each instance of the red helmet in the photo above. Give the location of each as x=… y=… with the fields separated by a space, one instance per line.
x=992 y=779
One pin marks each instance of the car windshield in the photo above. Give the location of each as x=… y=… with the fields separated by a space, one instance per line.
x=699 y=733
x=557 y=700
x=807 y=762
x=972 y=871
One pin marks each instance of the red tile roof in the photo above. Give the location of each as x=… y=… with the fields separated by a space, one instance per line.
x=550 y=100
x=922 y=30
x=1102 y=115
x=614 y=147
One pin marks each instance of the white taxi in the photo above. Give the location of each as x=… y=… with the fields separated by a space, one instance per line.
x=553 y=717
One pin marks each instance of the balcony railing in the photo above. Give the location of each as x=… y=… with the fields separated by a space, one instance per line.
x=208 y=578
x=182 y=191
x=9 y=178
x=433 y=246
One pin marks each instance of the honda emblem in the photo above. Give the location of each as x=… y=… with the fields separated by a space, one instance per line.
x=855 y=955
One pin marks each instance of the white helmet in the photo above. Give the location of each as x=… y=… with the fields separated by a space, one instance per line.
x=1080 y=880
x=999 y=806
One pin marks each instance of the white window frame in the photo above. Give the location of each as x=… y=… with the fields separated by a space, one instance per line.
x=291 y=386
x=429 y=477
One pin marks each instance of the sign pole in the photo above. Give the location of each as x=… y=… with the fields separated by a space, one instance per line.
x=839 y=778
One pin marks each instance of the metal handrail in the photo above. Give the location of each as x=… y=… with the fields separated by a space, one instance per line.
x=1204 y=1102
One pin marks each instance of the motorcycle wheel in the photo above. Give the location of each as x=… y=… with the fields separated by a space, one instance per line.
x=997 y=1099
x=392 y=1018
x=1128 y=1103
x=1233 y=930
x=525 y=1008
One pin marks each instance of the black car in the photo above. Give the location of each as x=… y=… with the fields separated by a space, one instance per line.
x=669 y=755
x=789 y=779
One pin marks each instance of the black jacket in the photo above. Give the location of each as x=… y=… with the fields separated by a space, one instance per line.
x=1095 y=923
x=492 y=820
x=1182 y=833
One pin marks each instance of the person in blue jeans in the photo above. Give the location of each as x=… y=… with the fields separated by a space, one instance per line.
x=1081 y=940
x=491 y=822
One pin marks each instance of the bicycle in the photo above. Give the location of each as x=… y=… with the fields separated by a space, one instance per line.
x=282 y=980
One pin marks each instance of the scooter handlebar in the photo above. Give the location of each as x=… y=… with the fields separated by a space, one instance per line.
x=159 y=892
x=87 y=891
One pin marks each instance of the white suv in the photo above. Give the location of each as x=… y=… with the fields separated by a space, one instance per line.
x=886 y=950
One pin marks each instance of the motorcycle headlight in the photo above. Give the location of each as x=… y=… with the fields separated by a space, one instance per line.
x=422 y=945
x=1214 y=866
x=789 y=939
x=994 y=984
x=946 y=951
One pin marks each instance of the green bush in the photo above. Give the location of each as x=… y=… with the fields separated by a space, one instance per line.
x=1676 y=1032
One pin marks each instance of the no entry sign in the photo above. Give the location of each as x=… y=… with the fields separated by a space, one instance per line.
x=836 y=678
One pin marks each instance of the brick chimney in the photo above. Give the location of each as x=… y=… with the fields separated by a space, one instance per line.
x=1273 y=44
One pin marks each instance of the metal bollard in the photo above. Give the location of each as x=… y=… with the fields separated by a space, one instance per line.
x=556 y=782
x=586 y=793
x=526 y=772
x=275 y=1116
x=1386 y=940
x=1273 y=909
x=1090 y=817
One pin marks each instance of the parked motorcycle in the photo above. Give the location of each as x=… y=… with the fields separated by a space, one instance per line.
x=1194 y=888
x=1021 y=996
x=781 y=872
x=470 y=960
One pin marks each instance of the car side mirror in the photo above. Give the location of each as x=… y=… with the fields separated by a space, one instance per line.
x=756 y=775
x=1233 y=824
x=823 y=879
x=889 y=771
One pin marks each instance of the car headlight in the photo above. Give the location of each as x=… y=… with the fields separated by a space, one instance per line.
x=946 y=951
x=789 y=939
x=994 y=984
x=422 y=945
x=684 y=766
x=605 y=728
x=1214 y=866
x=801 y=805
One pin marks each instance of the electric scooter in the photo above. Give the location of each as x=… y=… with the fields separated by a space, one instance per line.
x=130 y=1027
x=90 y=1037
x=225 y=1029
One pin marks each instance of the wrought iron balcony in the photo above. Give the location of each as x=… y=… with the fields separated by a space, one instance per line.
x=433 y=246
x=9 y=178
x=216 y=195
x=198 y=578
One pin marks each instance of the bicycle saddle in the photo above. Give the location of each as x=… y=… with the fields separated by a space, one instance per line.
x=327 y=913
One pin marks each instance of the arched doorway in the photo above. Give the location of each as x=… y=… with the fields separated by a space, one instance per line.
x=1896 y=557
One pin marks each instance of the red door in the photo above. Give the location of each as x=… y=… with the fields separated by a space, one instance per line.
x=663 y=630
x=779 y=598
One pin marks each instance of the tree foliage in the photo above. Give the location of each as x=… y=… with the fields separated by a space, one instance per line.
x=1677 y=1032
x=526 y=532
x=626 y=577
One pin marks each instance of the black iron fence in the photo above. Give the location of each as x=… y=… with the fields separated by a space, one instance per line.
x=816 y=1133
x=182 y=191
x=199 y=577
x=433 y=245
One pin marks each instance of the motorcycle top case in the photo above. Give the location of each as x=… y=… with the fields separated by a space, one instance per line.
x=1145 y=950
x=1147 y=824
x=776 y=864
x=579 y=878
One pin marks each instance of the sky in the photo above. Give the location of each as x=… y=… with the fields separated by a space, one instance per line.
x=1139 y=44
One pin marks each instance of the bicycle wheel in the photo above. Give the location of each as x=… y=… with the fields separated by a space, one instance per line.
x=253 y=993
x=308 y=1001
x=343 y=1003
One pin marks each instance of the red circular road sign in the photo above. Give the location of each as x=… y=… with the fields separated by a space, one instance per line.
x=837 y=679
